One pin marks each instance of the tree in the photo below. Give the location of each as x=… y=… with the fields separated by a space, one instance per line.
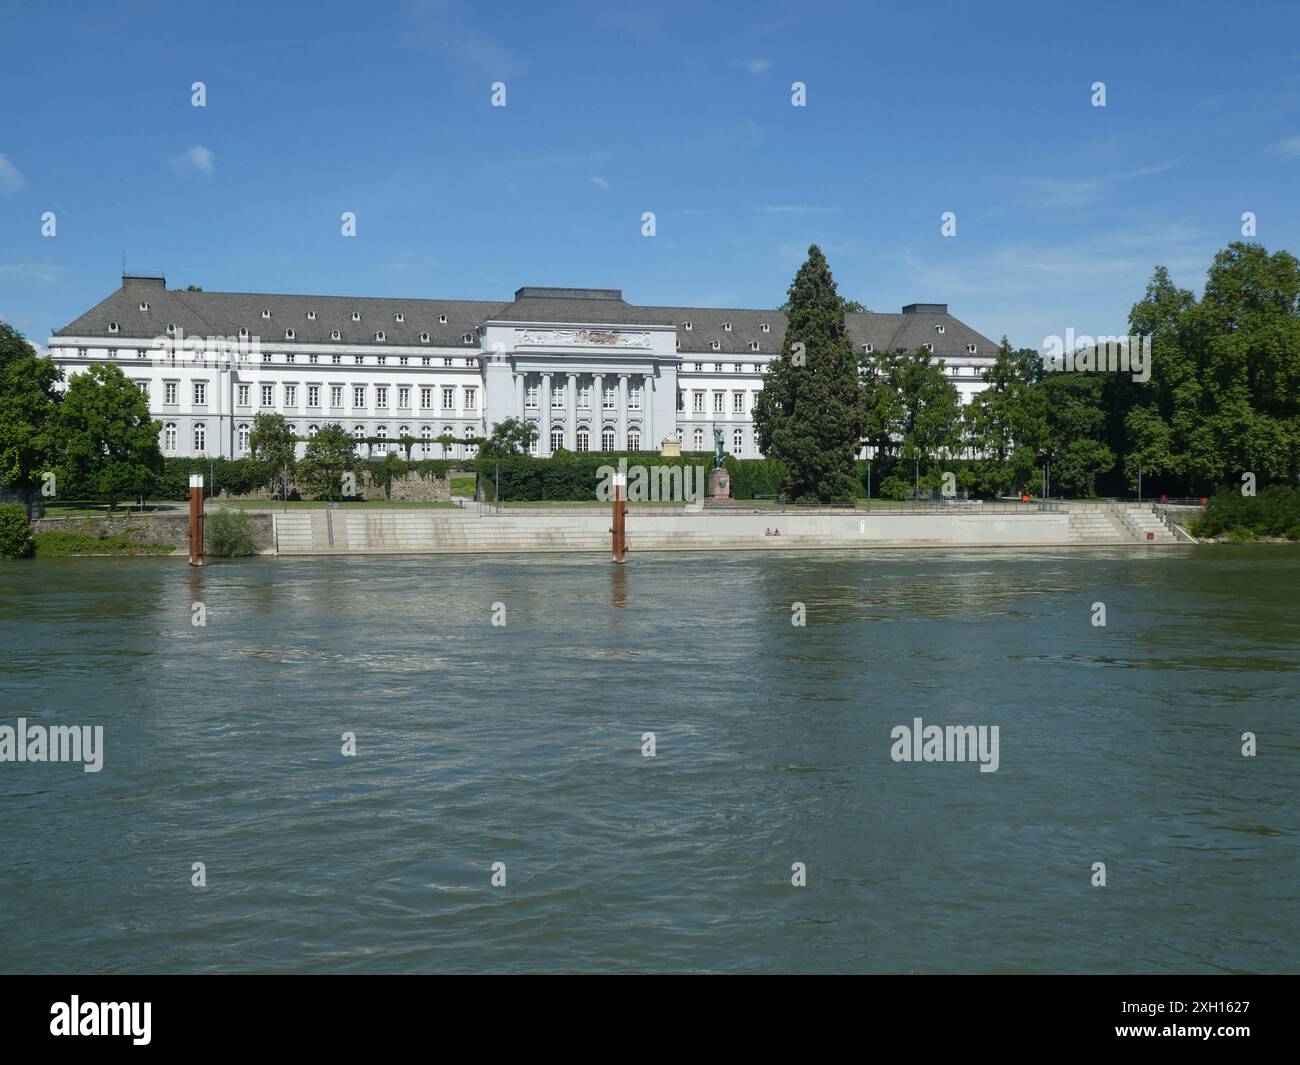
x=511 y=436
x=1076 y=422
x=811 y=420
x=329 y=454
x=106 y=442
x=1006 y=423
x=273 y=448
x=28 y=407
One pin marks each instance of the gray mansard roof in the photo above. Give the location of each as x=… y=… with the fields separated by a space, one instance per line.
x=225 y=313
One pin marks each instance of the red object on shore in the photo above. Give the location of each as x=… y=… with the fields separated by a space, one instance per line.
x=1204 y=501
x=196 y=519
x=1024 y=499
x=620 y=516
x=1151 y=536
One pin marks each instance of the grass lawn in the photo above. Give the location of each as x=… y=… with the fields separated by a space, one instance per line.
x=463 y=486
x=65 y=544
x=317 y=504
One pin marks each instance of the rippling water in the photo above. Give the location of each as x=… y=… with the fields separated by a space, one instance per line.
x=522 y=744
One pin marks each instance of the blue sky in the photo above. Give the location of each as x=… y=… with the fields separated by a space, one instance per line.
x=1063 y=209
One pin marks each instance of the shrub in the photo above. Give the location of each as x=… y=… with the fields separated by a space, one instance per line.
x=15 y=534
x=229 y=534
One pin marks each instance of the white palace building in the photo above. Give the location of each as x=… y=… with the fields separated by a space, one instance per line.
x=593 y=372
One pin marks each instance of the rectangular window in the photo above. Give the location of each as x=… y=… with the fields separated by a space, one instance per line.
x=200 y=393
x=268 y=395
x=359 y=396
x=290 y=395
x=313 y=395
x=169 y=392
x=426 y=398
x=530 y=397
x=738 y=403
x=697 y=402
x=634 y=399
x=448 y=361
x=717 y=402
x=381 y=395
x=336 y=359
x=359 y=359
x=290 y=357
x=610 y=399
x=144 y=387
x=471 y=398
x=382 y=360
x=402 y=360
x=312 y=359
x=404 y=396
x=448 y=399
x=557 y=397
x=241 y=395
x=336 y=395
x=584 y=397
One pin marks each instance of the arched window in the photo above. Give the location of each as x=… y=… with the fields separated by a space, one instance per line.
x=584 y=439
x=312 y=430
x=634 y=439
x=243 y=438
x=200 y=438
x=382 y=433
x=469 y=435
x=607 y=438
x=447 y=430
x=557 y=438
x=359 y=434
x=169 y=437
x=738 y=441
x=699 y=439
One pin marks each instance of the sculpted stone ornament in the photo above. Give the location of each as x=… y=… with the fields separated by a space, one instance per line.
x=608 y=338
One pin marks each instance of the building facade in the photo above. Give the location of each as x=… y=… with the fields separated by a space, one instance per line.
x=591 y=371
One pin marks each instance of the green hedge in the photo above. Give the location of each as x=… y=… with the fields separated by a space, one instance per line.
x=15 y=532
x=567 y=476
x=1272 y=514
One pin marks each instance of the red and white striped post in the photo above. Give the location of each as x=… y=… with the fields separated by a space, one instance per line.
x=619 y=529
x=196 y=519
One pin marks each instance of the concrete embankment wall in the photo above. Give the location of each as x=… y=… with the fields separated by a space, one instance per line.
x=171 y=527
x=394 y=531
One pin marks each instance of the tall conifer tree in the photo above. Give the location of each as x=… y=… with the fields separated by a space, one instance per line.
x=808 y=414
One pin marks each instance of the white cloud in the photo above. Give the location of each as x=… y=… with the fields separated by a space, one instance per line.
x=1081 y=193
x=756 y=66
x=196 y=160
x=601 y=183
x=11 y=179
x=1288 y=148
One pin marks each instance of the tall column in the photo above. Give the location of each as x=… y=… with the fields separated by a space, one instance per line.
x=648 y=441
x=597 y=411
x=621 y=441
x=519 y=396
x=544 y=426
x=571 y=412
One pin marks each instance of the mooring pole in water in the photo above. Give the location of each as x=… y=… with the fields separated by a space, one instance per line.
x=619 y=528
x=196 y=519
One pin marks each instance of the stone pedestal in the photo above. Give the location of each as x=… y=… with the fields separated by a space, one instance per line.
x=719 y=485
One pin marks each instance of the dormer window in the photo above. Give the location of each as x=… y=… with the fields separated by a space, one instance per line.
x=289 y=334
x=679 y=345
x=311 y=316
x=726 y=327
x=380 y=336
x=753 y=345
x=928 y=347
x=442 y=319
x=468 y=338
x=868 y=348
x=765 y=327
x=687 y=326
x=112 y=327
x=424 y=338
x=971 y=349
x=715 y=345
x=399 y=317
x=144 y=307
x=939 y=328
x=356 y=316
x=335 y=335
x=243 y=330
x=266 y=313
x=171 y=328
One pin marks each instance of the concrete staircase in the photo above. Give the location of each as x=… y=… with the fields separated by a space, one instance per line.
x=1116 y=523
x=1147 y=526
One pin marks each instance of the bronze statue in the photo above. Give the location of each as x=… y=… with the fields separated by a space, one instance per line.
x=718 y=453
